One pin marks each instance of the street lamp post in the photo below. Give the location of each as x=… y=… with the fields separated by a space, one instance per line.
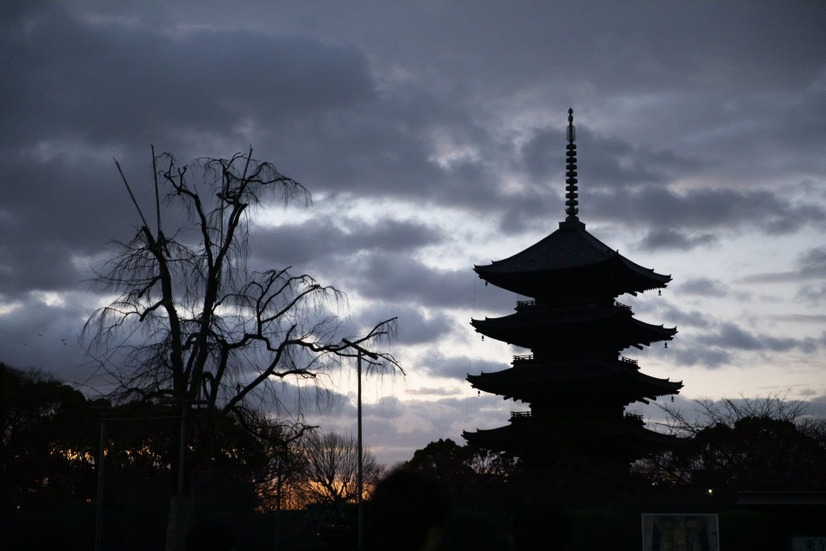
x=99 y=504
x=100 y=466
x=361 y=352
x=175 y=536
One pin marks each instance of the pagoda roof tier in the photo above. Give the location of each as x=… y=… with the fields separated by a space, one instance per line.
x=524 y=434
x=564 y=382
x=573 y=325
x=570 y=258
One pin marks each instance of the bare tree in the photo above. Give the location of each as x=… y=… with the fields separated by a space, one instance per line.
x=741 y=443
x=191 y=324
x=727 y=411
x=279 y=483
x=331 y=474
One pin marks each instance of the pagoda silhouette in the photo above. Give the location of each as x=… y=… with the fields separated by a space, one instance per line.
x=576 y=434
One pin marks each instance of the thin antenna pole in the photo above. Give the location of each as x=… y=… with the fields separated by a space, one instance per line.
x=99 y=511
x=132 y=195
x=157 y=195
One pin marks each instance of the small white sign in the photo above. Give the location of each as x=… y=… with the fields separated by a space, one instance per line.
x=686 y=532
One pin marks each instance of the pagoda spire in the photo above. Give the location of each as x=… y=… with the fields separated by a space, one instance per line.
x=571 y=195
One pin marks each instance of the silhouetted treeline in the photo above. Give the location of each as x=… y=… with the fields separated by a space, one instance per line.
x=51 y=439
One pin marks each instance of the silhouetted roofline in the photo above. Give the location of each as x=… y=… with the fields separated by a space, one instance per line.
x=568 y=247
x=559 y=379
x=522 y=327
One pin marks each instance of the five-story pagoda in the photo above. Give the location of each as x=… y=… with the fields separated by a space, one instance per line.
x=574 y=379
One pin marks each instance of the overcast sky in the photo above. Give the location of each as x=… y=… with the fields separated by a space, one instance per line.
x=432 y=136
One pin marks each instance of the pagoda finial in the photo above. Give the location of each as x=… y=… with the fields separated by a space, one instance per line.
x=571 y=195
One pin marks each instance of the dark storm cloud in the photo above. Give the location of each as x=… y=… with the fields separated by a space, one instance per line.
x=122 y=84
x=414 y=324
x=618 y=180
x=91 y=84
x=536 y=208
x=732 y=336
x=97 y=84
x=398 y=277
x=82 y=93
x=374 y=260
x=458 y=367
x=44 y=336
x=614 y=163
x=317 y=105
x=47 y=218
x=321 y=241
x=704 y=209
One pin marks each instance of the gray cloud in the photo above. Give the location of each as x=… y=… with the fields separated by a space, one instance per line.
x=811 y=264
x=42 y=333
x=319 y=242
x=668 y=239
x=96 y=82
x=812 y=294
x=400 y=278
x=733 y=336
x=708 y=208
x=458 y=367
x=415 y=324
x=696 y=125
x=707 y=358
x=703 y=286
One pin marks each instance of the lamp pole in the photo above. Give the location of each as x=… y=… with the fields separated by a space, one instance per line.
x=99 y=510
x=361 y=352
x=180 y=523
x=100 y=465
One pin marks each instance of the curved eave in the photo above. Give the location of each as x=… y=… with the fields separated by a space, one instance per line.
x=656 y=280
x=558 y=316
x=617 y=276
x=568 y=247
x=522 y=383
x=523 y=330
x=527 y=436
x=569 y=251
x=542 y=373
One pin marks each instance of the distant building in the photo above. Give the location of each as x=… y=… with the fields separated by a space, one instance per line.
x=576 y=433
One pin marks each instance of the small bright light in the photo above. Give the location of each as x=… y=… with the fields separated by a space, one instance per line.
x=710 y=491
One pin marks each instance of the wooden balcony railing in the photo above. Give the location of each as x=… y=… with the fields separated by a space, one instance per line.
x=635 y=417
x=635 y=363
x=623 y=307
x=517 y=416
